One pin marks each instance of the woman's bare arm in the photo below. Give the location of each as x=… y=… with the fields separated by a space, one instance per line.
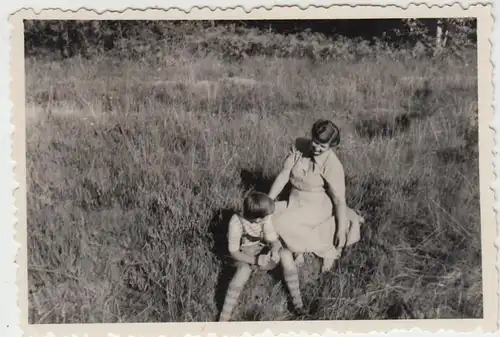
x=284 y=176
x=334 y=177
x=340 y=207
x=279 y=183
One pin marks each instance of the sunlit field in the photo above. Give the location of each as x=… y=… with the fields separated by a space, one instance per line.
x=135 y=165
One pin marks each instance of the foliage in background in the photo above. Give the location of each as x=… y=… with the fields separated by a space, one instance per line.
x=140 y=39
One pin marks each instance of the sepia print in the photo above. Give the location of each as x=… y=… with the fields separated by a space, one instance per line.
x=256 y=168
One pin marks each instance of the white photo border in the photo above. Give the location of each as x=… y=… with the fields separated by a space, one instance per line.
x=10 y=248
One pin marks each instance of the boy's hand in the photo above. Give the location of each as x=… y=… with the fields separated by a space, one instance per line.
x=267 y=262
x=263 y=260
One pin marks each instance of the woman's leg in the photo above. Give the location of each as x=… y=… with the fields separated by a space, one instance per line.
x=328 y=263
x=353 y=236
x=291 y=278
x=329 y=258
x=356 y=220
x=233 y=292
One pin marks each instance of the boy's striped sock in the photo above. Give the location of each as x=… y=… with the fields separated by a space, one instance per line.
x=292 y=281
x=230 y=301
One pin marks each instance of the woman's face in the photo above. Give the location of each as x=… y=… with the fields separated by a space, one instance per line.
x=319 y=148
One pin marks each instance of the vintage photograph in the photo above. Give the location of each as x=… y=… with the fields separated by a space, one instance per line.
x=253 y=170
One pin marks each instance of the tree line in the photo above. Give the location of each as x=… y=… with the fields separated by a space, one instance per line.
x=67 y=38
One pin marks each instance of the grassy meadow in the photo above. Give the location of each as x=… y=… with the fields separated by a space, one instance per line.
x=134 y=167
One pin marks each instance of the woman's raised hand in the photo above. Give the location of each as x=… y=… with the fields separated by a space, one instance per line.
x=340 y=238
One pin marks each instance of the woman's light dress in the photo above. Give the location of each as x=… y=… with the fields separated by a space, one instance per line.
x=306 y=222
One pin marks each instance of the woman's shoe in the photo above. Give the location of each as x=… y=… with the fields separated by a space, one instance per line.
x=329 y=262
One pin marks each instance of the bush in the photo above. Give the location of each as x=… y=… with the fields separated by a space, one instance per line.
x=140 y=39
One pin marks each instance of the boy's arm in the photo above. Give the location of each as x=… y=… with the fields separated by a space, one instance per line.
x=234 y=239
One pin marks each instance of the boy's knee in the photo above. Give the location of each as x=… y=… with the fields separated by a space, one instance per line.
x=286 y=255
x=244 y=269
x=287 y=262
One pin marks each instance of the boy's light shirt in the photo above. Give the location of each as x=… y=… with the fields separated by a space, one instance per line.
x=238 y=227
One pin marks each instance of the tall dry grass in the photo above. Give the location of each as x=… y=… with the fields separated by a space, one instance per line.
x=133 y=168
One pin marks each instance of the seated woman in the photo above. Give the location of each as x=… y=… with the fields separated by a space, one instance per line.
x=315 y=218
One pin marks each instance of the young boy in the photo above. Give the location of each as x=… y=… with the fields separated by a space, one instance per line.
x=249 y=235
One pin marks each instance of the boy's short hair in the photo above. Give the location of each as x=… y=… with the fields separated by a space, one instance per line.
x=257 y=205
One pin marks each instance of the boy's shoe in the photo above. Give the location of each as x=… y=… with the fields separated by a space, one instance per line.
x=223 y=318
x=300 y=311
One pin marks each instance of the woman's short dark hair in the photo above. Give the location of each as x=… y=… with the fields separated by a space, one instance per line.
x=325 y=131
x=257 y=205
